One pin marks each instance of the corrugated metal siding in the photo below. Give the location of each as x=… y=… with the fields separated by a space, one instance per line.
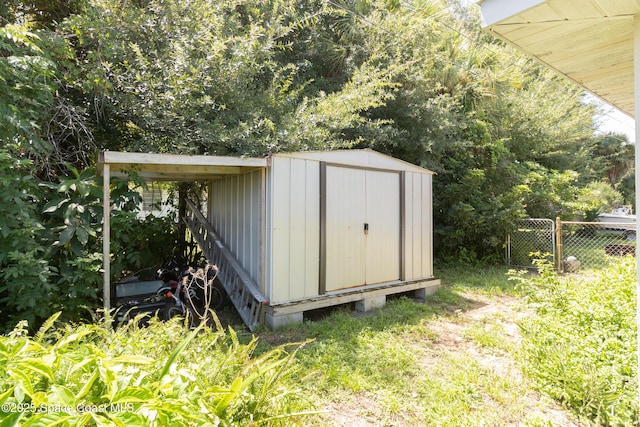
x=292 y=266
x=235 y=212
x=418 y=225
x=293 y=235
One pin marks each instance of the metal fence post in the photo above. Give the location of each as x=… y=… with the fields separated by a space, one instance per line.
x=559 y=244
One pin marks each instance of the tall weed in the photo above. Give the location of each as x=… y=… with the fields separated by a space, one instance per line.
x=161 y=375
x=580 y=342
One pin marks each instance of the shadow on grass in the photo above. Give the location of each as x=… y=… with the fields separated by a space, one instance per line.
x=349 y=354
x=401 y=312
x=343 y=322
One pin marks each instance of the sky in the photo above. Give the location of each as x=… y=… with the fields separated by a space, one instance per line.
x=618 y=122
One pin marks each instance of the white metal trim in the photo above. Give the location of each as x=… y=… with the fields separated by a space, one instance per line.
x=106 y=241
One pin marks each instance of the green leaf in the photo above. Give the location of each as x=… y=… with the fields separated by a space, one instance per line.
x=11 y=419
x=87 y=386
x=64 y=186
x=178 y=350
x=76 y=247
x=46 y=326
x=132 y=394
x=82 y=235
x=73 y=170
x=23 y=384
x=67 y=234
x=61 y=394
x=83 y=189
x=38 y=366
x=88 y=174
x=6 y=394
x=235 y=388
x=71 y=338
x=131 y=358
x=48 y=419
x=54 y=205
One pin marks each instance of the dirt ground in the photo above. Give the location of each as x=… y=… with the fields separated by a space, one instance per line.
x=502 y=310
x=451 y=339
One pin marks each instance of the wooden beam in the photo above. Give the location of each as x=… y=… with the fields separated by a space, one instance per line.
x=176 y=167
x=336 y=298
x=179 y=170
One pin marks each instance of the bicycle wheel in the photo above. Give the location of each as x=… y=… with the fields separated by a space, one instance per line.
x=170 y=311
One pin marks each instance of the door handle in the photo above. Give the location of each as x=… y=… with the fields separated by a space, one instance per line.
x=366 y=228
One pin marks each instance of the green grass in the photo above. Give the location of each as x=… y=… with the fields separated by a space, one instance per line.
x=395 y=367
x=456 y=360
x=580 y=342
x=488 y=280
x=433 y=364
x=490 y=335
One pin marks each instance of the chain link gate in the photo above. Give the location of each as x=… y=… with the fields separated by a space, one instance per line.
x=531 y=236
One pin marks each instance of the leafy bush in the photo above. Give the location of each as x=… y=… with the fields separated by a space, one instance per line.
x=25 y=273
x=596 y=198
x=580 y=346
x=157 y=376
x=51 y=243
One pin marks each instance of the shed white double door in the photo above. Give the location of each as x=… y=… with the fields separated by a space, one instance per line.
x=362 y=227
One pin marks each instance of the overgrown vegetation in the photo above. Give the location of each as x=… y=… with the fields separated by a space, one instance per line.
x=415 y=79
x=77 y=375
x=51 y=245
x=439 y=364
x=580 y=344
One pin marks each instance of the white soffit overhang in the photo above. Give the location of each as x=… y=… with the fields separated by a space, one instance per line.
x=589 y=41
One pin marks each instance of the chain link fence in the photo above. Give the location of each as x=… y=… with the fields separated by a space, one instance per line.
x=572 y=246
x=593 y=245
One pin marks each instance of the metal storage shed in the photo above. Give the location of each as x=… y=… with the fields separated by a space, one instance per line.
x=300 y=231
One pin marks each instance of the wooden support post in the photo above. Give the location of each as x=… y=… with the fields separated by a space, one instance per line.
x=181 y=238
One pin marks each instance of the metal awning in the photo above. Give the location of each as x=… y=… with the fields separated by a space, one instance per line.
x=176 y=167
x=159 y=167
x=589 y=41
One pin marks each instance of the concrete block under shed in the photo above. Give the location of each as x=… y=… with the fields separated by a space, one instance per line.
x=281 y=320
x=372 y=303
x=425 y=292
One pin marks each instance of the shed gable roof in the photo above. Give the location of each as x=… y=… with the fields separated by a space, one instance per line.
x=366 y=158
